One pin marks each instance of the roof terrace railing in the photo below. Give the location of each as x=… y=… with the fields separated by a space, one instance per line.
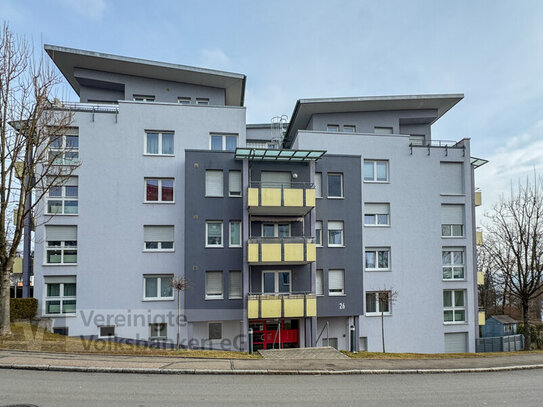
x=86 y=107
x=290 y=239
x=281 y=185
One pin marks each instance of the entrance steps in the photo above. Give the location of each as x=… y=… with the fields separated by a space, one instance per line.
x=326 y=352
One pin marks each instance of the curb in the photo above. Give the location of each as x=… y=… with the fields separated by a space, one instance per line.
x=136 y=370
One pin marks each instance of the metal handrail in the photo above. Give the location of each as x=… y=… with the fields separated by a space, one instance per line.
x=439 y=143
x=271 y=184
x=291 y=239
x=87 y=107
x=292 y=293
x=327 y=334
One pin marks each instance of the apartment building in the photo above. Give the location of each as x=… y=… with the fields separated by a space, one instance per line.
x=289 y=229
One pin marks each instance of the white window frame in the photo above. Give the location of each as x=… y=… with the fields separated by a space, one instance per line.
x=62 y=248
x=332 y=128
x=452 y=265
x=275 y=229
x=230 y=244
x=63 y=198
x=374 y=179
x=342 y=244
x=336 y=293
x=220 y=245
x=61 y=298
x=351 y=127
x=451 y=229
x=328 y=185
x=318 y=233
x=276 y=281
x=319 y=291
x=375 y=295
x=318 y=185
x=235 y=296
x=106 y=336
x=59 y=152
x=143 y=98
x=231 y=193
x=163 y=326
x=160 y=180
x=376 y=251
x=223 y=143
x=161 y=279
x=383 y=130
x=202 y=101
x=206 y=194
x=376 y=216
x=184 y=100
x=453 y=308
x=160 y=151
x=159 y=243
x=214 y=296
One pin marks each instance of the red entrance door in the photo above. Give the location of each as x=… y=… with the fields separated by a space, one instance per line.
x=275 y=334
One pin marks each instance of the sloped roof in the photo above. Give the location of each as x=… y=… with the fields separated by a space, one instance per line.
x=505 y=319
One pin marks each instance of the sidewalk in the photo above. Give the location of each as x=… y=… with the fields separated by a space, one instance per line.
x=176 y=365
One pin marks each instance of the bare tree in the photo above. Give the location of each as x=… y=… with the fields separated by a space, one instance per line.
x=489 y=291
x=386 y=298
x=179 y=284
x=514 y=239
x=29 y=125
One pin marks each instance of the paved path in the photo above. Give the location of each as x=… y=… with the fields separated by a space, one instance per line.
x=177 y=365
x=322 y=353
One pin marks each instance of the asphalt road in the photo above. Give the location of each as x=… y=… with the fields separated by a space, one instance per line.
x=95 y=389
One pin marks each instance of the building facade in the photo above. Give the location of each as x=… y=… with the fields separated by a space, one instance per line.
x=294 y=230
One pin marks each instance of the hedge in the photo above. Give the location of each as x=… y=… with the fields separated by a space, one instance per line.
x=23 y=308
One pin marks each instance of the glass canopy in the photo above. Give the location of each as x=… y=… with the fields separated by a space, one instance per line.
x=477 y=162
x=264 y=154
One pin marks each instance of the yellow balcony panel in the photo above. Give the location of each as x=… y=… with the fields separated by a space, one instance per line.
x=478 y=198
x=310 y=306
x=311 y=252
x=271 y=307
x=293 y=306
x=482 y=317
x=253 y=197
x=479 y=238
x=271 y=252
x=18 y=265
x=310 y=198
x=293 y=197
x=294 y=252
x=252 y=309
x=270 y=196
x=480 y=278
x=253 y=253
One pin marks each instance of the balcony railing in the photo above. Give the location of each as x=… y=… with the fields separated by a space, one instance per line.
x=285 y=250
x=479 y=237
x=481 y=317
x=87 y=107
x=276 y=198
x=480 y=278
x=289 y=305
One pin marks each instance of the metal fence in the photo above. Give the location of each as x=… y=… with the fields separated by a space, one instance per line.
x=508 y=343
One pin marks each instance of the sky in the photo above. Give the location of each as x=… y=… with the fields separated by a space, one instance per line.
x=489 y=50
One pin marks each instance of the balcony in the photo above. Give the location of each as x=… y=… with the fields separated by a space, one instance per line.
x=480 y=278
x=482 y=317
x=285 y=250
x=298 y=198
x=281 y=306
x=479 y=238
x=478 y=198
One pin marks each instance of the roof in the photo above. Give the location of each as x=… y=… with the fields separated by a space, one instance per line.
x=505 y=319
x=264 y=154
x=305 y=108
x=66 y=59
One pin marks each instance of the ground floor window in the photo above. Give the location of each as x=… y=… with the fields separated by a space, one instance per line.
x=158 y=331
x=378 y=302
x=215 y=330
x=454 y=306
x=60 y=296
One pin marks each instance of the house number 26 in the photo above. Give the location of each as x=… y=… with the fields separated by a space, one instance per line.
x=341 y=305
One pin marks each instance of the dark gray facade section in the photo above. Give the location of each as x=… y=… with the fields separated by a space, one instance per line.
x=198 y=258
x=349 y=257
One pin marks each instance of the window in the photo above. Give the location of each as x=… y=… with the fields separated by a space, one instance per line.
x=377 y=259
x=375 y=171
x=60 y=244
x=157 y=143
x=202 y=101
x=214 y=285
x=382 y=130
x=183 y=100
x=275 y=282
x=276 y=230
x=159 y=190
x=107 y=331
x=318 y=233
x=335 y=185
x=452 y=220
x=318 y=184
x=61 y=330
x=320 y=283
x=157 y=288
x=144 y=98
x=417 y=139
x=275 y=179
x=349 y=128
x=378 y=302
x=214 y=183
x=335 y=233
x=332 y=127
x=224 y=142
x=453 y=264
x=234 y=183
x=64 y=149
x=235 y=234
x=235 y=284
x=215 y=330
x=214 y=234
x=62 y=198
x=158 y=238
x=60 y=295
x=451 y=178
x=454 y=306
x=336 y=282
x=158 y=331
x=376 y=214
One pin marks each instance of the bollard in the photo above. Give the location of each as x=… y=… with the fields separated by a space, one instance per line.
x=250 y=341
x=352 y=339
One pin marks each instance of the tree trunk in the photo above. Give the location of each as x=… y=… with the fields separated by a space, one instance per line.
x=5 y=327
x=178 y=319
x=526 y=317
x=383 y=329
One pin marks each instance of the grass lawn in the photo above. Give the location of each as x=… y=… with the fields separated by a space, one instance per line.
x=30 y=337
x=380 y=355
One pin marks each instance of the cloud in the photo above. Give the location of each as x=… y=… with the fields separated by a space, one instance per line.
x=215 y=58
x=93 y=9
